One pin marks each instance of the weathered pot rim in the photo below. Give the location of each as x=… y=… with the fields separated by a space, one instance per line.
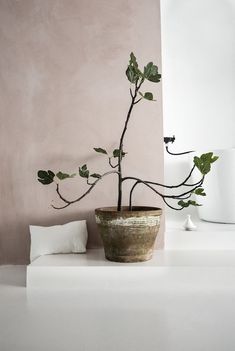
x=140 y=210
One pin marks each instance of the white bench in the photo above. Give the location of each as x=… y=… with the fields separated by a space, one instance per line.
x=169 y=269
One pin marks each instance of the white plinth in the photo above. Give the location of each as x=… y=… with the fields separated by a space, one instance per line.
x=168 y=269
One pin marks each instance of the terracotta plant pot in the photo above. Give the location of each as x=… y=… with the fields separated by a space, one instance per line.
x=128 y=236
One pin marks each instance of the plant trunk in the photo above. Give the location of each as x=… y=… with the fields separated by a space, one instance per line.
x=119 y=204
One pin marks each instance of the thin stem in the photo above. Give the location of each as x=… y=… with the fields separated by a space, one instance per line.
x=70 y=202
x=163 y=196
x=173 y=208
x=168 y=196
x=137 y=87
x=179 y=153
x=131 y=192
x=168 y=186
x=60 y=208
x=183 y=197
x=110 y=163
x=88 y=183
x=137 y=101
x=131 y=93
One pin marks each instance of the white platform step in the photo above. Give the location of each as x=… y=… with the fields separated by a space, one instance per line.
x=168 y=269
x=208 y=236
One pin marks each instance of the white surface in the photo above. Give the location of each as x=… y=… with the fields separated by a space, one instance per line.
x=207 y=236
x=198 y=69
x=65 y=238
x=163 y=318
x=169 y=268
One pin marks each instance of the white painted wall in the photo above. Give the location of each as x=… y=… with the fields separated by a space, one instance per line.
x=198 y=58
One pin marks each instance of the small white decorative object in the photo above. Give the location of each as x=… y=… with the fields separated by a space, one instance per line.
x=188 y=224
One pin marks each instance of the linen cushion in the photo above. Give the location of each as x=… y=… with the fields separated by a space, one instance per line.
x=67 y=238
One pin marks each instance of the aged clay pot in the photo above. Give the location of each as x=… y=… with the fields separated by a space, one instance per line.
x=128 y=236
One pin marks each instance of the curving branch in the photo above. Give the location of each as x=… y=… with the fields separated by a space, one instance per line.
x=172 y=207
x=184 y=183
x=110 y=163
x=183 y=196
x=70 y=202
x=178 y=153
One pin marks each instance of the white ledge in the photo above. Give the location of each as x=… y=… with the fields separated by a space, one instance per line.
x=207 y=236
x=168 y=268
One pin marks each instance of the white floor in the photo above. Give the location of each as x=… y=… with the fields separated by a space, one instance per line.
x=198 y=315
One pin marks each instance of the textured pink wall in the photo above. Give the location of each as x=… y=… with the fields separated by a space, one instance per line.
x=63 y=91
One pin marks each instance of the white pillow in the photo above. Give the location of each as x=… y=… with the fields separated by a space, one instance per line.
x=67 y=238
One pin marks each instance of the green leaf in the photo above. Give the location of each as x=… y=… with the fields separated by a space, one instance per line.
x=147 y=96
x=203 y=163
x=188 y=203
x=46 y=177
x=62 y=175
x=133 y=60
x=133 y=73
x=200 y=191
x=83 y=171
x=95 y=175
x=148 y=70
x=197 y=161
x=116 y=153
x=151 y=73
x=100 y=150
x=214 y=158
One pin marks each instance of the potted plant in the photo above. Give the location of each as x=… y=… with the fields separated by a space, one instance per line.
x=129 y=232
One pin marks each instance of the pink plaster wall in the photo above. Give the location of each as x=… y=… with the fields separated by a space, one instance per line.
x=63 y=91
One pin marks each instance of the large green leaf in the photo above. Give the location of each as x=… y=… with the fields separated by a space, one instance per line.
x=46 y=177
x=83 y=171
x=133 y=73
x=203 y=163
x=63 y=176
x=148 y=70
x=133 y=60
x=151 y=73
x=100 y=150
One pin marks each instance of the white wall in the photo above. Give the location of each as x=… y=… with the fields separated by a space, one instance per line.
x=198 y=57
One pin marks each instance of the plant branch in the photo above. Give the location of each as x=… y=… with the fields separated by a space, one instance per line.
x=110 y=163
x=70 y=202
x=136 y=102
x=131 y=93
x=88 y=183
x=182 y=196
x=172 y=207
x=137 y=87
x=168 y=186
x=179 y=153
